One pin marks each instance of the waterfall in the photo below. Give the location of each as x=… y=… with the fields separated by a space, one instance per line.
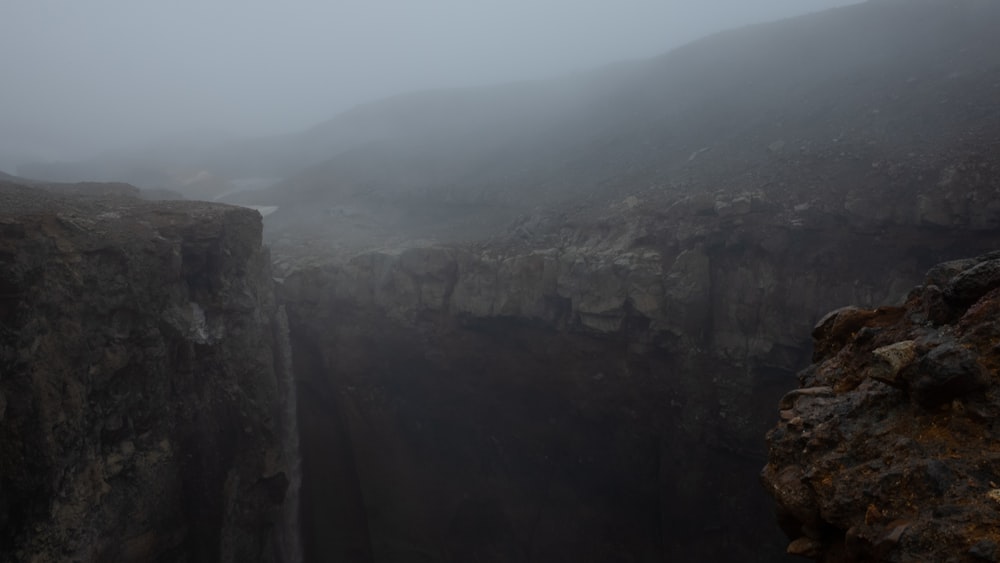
x=290 y=534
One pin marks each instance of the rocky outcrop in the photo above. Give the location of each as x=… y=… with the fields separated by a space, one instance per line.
x=886 y=452
x=141 y=383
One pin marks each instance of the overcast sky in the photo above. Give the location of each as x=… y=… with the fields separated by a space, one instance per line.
x=79 y=76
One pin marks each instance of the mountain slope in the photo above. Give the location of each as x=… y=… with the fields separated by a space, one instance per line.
x=885 y=99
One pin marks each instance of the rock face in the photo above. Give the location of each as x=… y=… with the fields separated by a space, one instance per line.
x=590 y=392
x=887 y=452
x=141 y=411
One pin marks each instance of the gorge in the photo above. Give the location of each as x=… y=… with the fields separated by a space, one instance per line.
x=544 y=322
x=597 y=402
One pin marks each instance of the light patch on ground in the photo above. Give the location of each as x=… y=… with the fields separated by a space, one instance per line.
x=264 y=210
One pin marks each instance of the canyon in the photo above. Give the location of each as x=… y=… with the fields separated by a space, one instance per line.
x=599 y=399
x=599 y=395
x=543 y=322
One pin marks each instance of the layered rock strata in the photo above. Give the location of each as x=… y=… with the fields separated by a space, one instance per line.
x=592 y=392
x=141 y=388
x=888 y=451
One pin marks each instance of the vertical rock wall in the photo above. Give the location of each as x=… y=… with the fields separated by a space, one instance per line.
x=140 y=401
x=602 y=399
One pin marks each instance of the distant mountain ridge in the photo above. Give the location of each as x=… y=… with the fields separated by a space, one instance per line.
x=812 y=101
x=872 y=81
x=8 y=177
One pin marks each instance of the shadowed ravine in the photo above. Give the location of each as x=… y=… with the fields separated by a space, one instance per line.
x=291 y=530
x=457 y=406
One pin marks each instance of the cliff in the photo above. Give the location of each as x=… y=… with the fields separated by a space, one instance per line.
x=583 y=388
x=142 y=390
x=886 y=452
x=591 y=383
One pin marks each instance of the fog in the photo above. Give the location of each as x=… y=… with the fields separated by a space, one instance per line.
x=85 y=77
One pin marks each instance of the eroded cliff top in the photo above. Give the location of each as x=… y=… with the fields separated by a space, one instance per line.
x=888 y=450
x=109 y=213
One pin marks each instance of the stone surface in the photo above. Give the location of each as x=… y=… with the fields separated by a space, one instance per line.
x=902 y=463
x=527 y=381
x=140 y=379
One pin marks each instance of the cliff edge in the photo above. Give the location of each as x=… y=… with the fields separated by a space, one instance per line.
x=141 y=381
x=887 y=451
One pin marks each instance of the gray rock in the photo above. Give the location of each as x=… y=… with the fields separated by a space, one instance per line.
x=985 y=550
x=947 y=372
x=972 y=283
x=133 y=428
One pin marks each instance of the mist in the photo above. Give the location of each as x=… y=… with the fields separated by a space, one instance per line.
x=503 y=283
x=85 y=78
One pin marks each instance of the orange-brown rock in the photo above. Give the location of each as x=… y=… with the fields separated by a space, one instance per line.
x=904 y=464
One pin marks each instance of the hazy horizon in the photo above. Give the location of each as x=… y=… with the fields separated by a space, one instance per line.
x=86 y=78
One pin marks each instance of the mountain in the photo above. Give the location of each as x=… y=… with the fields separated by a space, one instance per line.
x=794 y=102
x=11 y=178
x=881 y=77
x=886 y=99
